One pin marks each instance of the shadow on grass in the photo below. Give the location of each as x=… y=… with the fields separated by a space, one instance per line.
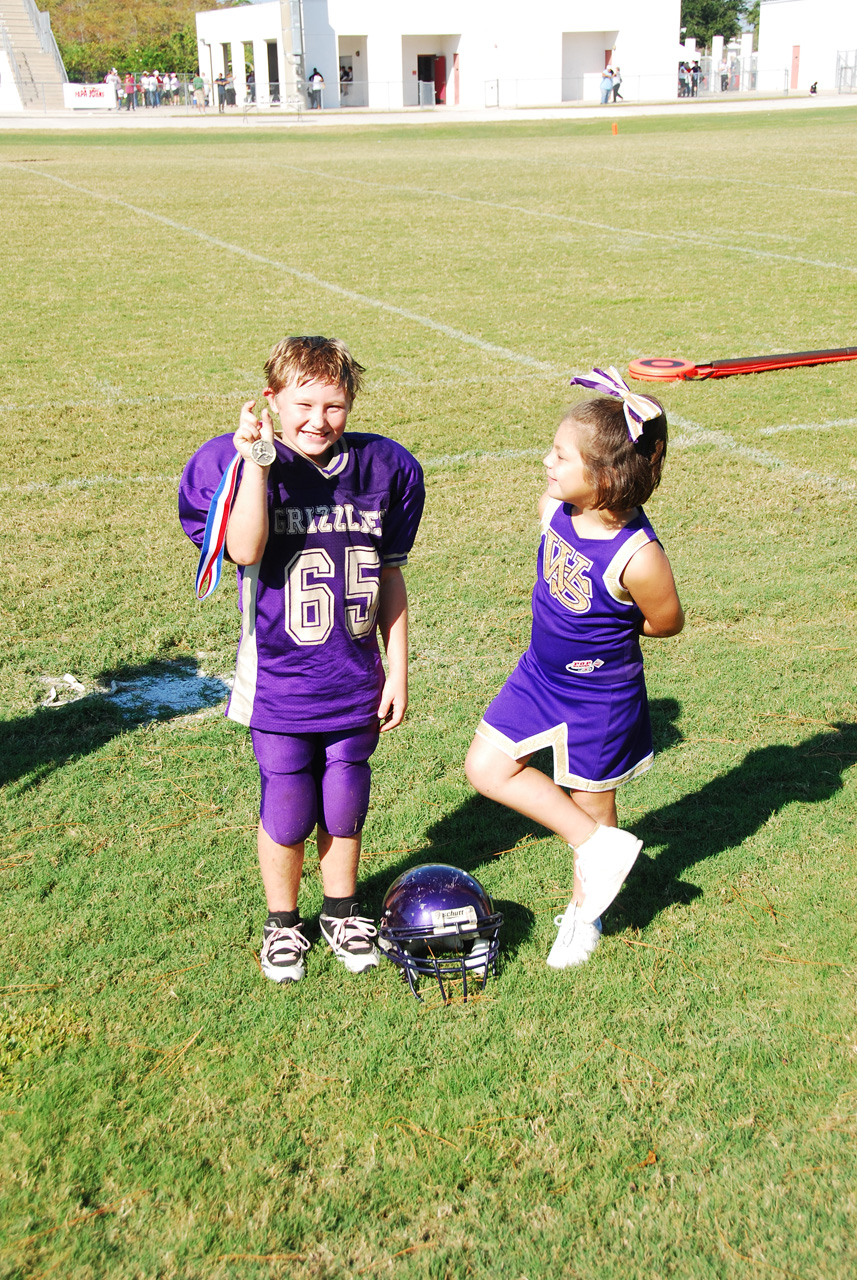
x=727 y=811
x=481 y=830
x=721 y=815
x=33 y=746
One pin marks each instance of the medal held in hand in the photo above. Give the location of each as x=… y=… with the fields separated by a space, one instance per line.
x=263 y=452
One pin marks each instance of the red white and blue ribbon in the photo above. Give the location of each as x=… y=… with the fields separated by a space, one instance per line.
x=214 y=541
x=638 y=409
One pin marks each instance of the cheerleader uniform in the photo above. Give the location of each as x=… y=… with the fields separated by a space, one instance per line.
x=579 y=688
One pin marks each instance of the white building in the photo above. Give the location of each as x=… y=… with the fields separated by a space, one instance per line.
x=470 y=53
x=807 y=36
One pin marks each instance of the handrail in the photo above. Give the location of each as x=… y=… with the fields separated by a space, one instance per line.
x=42 y=26
x=13 y=61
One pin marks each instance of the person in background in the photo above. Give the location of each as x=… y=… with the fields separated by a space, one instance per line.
x=316 y=84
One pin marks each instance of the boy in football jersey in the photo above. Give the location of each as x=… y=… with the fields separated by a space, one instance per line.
x=320 y=527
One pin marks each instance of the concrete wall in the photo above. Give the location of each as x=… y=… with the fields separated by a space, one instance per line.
x=10 y=99
x=818 y=28
x=533 y=56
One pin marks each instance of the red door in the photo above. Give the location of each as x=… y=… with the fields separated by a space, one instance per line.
x=795 y=65
x=440 y=79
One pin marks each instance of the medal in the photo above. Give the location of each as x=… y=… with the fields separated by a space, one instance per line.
x=263 y=452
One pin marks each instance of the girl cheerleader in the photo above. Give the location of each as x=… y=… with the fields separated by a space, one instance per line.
x=603 y=579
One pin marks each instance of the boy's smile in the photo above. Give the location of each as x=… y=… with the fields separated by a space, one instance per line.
x=312 y=416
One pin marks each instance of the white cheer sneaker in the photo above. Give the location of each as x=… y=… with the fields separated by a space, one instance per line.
x=575 y=940
x=602 y=864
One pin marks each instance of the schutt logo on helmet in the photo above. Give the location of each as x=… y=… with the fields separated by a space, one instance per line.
x=439 y=922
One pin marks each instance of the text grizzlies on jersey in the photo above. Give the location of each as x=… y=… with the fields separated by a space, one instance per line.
x=342 y=518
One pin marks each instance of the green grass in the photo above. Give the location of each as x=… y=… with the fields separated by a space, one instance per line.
x=684 y=1106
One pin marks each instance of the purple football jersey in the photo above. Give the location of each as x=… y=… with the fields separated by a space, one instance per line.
x=308 y=658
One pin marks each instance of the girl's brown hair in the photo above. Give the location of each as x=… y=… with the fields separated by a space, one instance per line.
x=623 y=472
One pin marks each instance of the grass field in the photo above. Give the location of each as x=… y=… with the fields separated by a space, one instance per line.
x=686 y=1104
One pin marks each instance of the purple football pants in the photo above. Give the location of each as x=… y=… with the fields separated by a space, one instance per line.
x=310 y=778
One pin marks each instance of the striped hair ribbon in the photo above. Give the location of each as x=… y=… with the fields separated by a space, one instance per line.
x=638 y=409
x=214 y=540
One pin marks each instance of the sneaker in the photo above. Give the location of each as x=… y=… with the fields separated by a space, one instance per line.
x=602 y=864
x=351 y=940
x=575 y=941
x=282 y=954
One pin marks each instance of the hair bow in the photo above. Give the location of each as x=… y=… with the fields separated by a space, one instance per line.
x=638 y=409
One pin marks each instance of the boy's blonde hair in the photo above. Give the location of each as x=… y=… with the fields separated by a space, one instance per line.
x=301 y=360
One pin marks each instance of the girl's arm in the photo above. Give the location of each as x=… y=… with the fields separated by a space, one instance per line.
x=393 y=625
x=247 y=531
x=649 y=579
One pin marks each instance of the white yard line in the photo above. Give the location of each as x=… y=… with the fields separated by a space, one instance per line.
x=693 y=433
x=678 y=176
x=808 y=426
x=685 y=238
x=366 y=300
x=381 y=376
x=687 y=436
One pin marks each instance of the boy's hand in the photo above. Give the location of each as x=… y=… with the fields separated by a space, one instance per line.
x=251 y=429
x=394 y=704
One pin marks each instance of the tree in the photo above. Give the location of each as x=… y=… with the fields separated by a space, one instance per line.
x=704 y=19
x=95 y=35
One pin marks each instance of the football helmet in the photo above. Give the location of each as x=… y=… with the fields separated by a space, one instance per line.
x=438 y=921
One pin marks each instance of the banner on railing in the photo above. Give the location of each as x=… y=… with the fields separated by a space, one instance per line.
x=90 y=96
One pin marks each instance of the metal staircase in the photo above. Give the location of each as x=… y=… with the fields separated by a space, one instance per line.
x=27 y=39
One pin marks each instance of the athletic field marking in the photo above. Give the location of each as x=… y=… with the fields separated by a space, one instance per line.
x=694 y=435
x=305 y=276
x=808 y=426
x=390 y=377
x=690 y=435
x=446 y=460
x=687 y=237
x=86 y=482
x=746 y=182
x=698 y=435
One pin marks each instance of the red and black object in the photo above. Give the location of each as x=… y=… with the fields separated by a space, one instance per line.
x=662 y=369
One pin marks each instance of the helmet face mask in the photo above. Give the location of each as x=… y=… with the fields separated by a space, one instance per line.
x=438 y=922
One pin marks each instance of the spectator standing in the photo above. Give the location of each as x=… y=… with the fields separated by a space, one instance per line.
x=130 y=93
x=174 y=87
x=199 y=93
x=220 y=82
x=606 y=85
x=112 y=77
x=316 y=84
x=617 y=82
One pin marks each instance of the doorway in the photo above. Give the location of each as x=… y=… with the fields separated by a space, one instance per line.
x=431 y=71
